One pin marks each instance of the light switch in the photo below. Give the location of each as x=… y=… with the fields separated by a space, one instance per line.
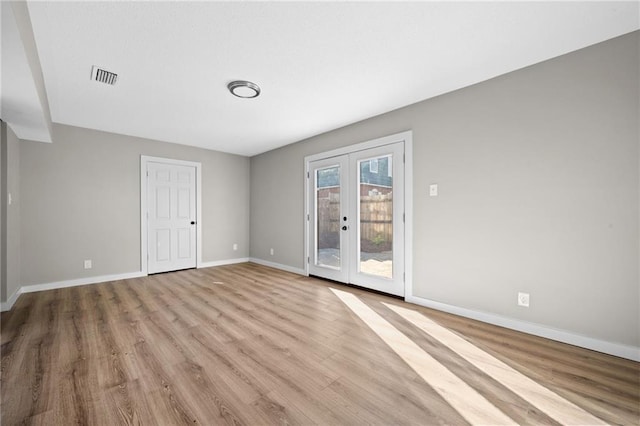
x=433 y=190
x=10 y=200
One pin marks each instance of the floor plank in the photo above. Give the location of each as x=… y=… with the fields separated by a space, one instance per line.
x=248 y=344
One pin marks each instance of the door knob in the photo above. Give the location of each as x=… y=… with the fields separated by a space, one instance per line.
x=193 y=222
x=344 y=228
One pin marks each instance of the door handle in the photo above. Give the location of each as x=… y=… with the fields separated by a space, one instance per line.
x=193 y=222
x=344 y=228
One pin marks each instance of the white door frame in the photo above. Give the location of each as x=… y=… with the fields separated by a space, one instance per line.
x=407 y=138
x=144 y=251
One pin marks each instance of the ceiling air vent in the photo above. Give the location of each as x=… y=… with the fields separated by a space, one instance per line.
x=103 y=76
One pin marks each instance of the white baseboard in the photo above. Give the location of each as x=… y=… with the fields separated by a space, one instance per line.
x=223 y=262
x=280 y=266
x=611 y=348
x=6 y=306
x=616 y=349
x=81 y=281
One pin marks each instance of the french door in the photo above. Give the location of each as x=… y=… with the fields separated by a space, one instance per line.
x=356 y=218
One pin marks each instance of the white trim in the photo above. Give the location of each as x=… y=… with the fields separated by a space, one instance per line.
x=407 y=138
x=144 y=260
x=306 y=218
x=611 y=348
x=144 y=159
x=81 y=281
x=280 y=266
x=373 y=143
x=6 y=306
x=408 y=213
x=223 y=262
x=198 y=167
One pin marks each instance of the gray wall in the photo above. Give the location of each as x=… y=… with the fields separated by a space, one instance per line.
x=538 y=192
x=81 y=200
x=3 y=207
x=10 y=217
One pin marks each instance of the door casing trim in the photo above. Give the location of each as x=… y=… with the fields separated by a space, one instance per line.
x=407 y=138
x=144 y=251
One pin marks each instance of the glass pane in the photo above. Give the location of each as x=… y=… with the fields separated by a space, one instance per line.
x=328 y=217
x=376 y=216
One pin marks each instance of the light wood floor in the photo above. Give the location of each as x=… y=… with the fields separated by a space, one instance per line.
x=246 y=344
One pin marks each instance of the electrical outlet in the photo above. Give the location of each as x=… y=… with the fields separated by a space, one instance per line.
x=271 y=252
x=433 y=190
x=235 y=246
x=87 y=264
x=523 y=299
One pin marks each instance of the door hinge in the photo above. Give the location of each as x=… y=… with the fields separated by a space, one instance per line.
x=403 y=160
x=403 y=218
x=307 y=217
x=147 y=173
x=308 y=175
x=403 y=277
x=308 y=259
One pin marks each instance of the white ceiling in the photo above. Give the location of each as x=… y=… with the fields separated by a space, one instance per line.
x=320 y=65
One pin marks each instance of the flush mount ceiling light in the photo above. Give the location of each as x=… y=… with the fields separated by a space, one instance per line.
x=243 y=89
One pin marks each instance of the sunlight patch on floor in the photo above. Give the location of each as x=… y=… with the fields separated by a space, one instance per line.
x=462 y=397
x=467 y=401
x=531 y=391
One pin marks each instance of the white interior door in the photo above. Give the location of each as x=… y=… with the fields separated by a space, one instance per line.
x=171 y=207
x=356 y=219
